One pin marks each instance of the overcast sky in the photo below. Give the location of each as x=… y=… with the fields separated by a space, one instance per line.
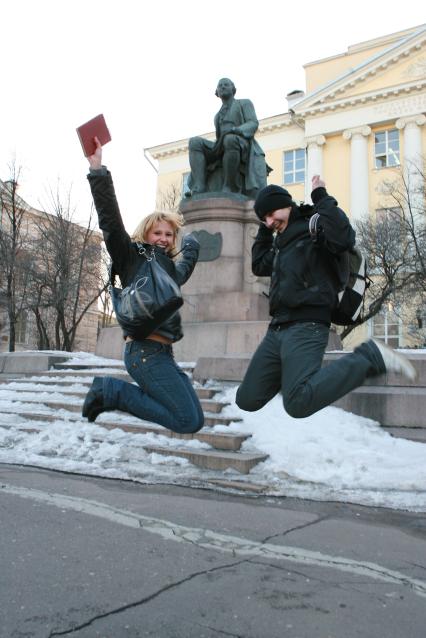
x=152 y=69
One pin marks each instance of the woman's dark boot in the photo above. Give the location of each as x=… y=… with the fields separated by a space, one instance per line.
x=94 y=402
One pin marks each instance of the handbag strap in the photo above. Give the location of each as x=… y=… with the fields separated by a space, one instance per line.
x=143 y=251
x=149 y=256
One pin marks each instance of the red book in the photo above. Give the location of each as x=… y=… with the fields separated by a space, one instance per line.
x=91 y=129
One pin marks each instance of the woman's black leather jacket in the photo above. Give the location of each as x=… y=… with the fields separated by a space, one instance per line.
x=125 y=254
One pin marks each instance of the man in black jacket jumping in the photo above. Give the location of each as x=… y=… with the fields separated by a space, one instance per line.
x=303 y=293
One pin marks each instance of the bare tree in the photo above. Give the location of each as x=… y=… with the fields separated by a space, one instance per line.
x=394 y=241
x=390 y=265
x=67 y=281
x=169 y=199
x=39 y=306
x=13 y=251
x=406 y=195
x=105 y=298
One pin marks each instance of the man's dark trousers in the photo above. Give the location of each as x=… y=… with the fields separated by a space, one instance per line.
x=289 y=359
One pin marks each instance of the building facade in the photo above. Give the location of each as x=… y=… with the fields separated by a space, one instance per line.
x=29 y=253
x=360 y=119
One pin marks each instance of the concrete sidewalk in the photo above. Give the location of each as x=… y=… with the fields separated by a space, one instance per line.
x=92 y=557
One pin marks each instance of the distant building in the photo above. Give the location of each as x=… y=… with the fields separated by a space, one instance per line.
x=361 y=115
x=26 y=330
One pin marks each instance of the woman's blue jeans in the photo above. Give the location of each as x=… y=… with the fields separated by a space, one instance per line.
x=165 y=394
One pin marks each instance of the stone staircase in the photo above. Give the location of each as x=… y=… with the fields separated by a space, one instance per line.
x=397 y=404
x=71 y=383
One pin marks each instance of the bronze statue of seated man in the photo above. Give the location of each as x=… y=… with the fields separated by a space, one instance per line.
x=234 y=163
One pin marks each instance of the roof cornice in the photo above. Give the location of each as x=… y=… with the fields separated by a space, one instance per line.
x=363 y=99
x=367 y=69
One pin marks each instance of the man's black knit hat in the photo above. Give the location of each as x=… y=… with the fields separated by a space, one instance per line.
x=271 y=198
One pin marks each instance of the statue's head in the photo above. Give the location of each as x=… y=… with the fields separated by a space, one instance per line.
x=225 y=86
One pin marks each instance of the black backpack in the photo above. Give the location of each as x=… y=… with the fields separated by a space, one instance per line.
x=351 y=270
x=350 y=307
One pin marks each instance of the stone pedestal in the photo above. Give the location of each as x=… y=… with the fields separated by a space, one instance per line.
x=225 y=309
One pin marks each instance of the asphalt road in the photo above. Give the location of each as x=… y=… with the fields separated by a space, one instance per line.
x=87 y=557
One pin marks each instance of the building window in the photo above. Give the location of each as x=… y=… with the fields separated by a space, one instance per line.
x=21 y=328
x=294 y=166
x=185 y=187
x=386 y=148
x=387 y=326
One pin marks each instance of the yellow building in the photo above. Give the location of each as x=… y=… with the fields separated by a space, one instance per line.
x=361 y=116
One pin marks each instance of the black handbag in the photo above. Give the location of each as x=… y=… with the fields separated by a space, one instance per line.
x=151 y=298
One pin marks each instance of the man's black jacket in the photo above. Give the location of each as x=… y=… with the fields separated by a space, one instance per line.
x=304 y=279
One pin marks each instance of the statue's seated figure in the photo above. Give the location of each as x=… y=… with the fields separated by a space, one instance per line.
x=234 y=163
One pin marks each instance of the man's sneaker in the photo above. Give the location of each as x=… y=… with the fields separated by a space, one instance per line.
x=395 y=362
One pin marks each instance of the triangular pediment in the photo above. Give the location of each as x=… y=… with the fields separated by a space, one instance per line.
x=407 y=69
x=399 y=67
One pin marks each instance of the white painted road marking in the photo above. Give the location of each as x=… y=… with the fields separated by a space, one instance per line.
x=209 y=539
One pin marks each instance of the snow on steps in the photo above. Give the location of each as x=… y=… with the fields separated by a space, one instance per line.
x=225 y=449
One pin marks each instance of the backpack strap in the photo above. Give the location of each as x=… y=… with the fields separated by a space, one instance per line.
x=314 y=227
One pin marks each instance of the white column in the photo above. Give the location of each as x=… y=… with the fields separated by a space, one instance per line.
x=412 y=160
x=314 y=162
x=359 y=170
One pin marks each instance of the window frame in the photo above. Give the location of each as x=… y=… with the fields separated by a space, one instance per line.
x=386 y=335
x=387 y=151
x=295 y=170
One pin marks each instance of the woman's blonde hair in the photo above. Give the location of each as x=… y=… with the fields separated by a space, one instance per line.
x=142 y=230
